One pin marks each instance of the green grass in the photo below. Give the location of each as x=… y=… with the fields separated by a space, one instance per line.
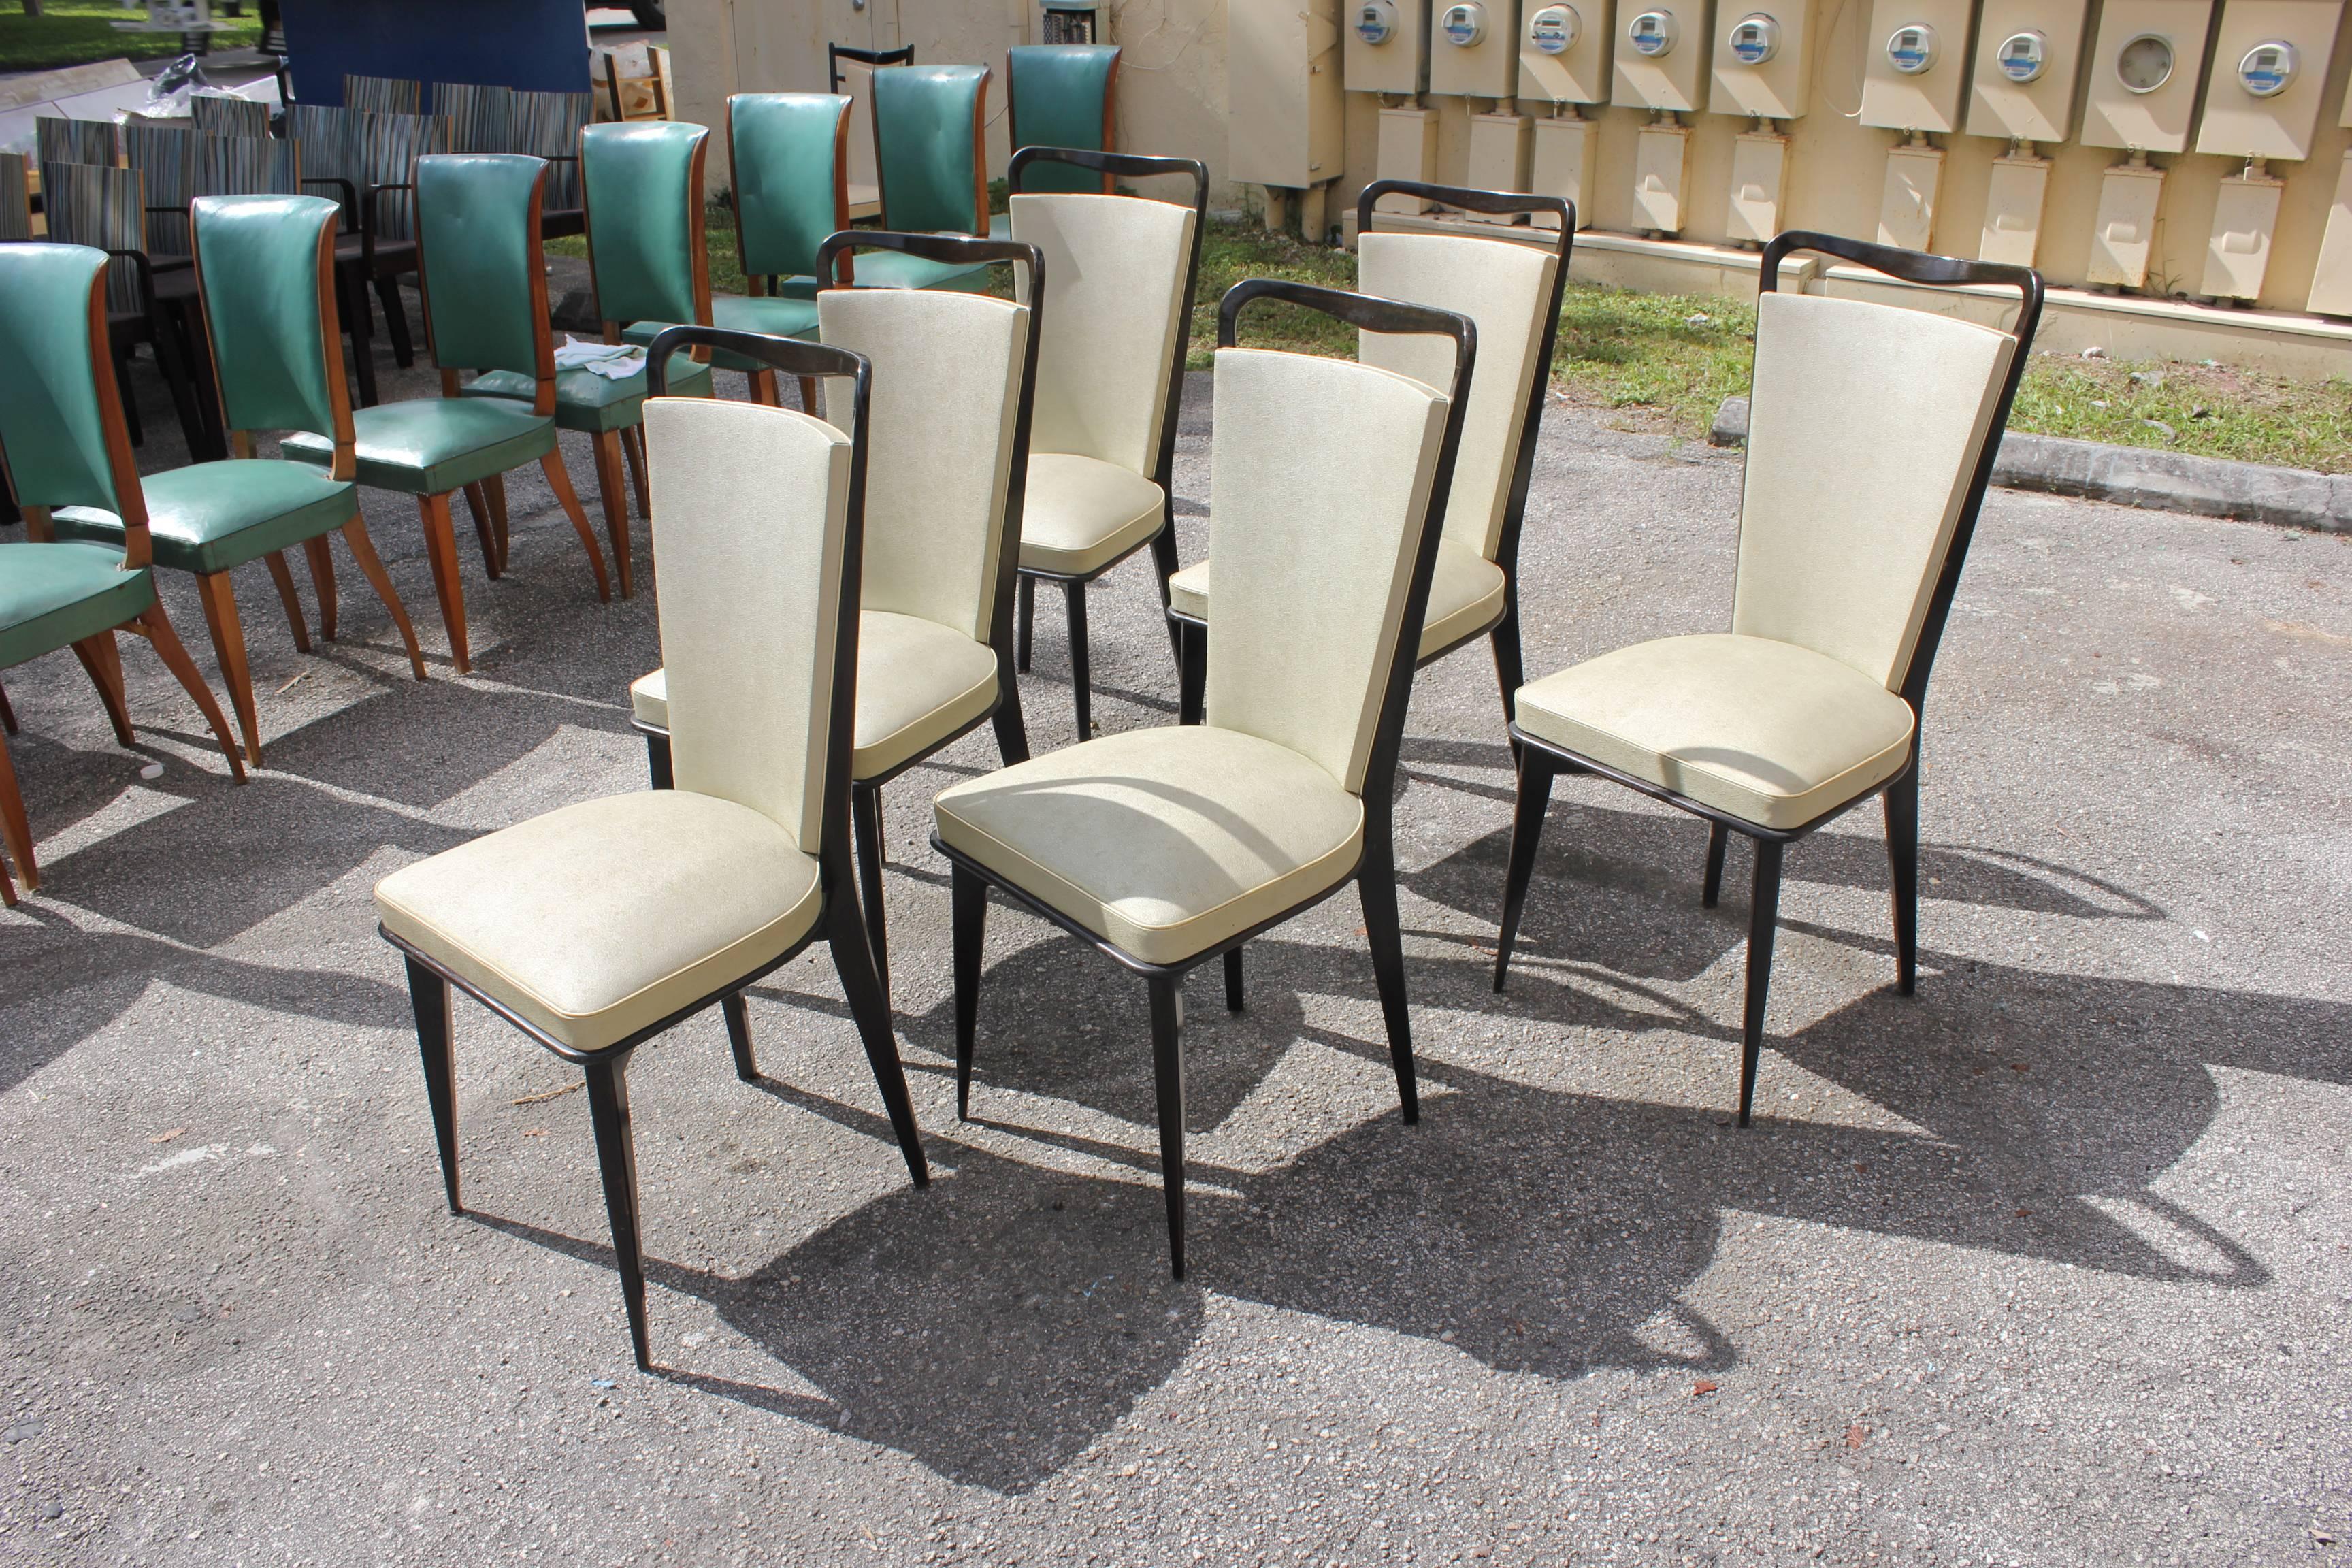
x=74 y=32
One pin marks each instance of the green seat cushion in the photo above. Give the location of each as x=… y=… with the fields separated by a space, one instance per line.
x=897 y=269
x=777 y=318
x=431 y=446
x=209 y=517
x=52 y=596
x=593 y=402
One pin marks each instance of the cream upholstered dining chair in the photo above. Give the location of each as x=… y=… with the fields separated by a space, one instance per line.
x=598 y=926
x=1512 y=290
x=955 y=377
x=1110 y=378
x=1872 y=437
x=1169 y=847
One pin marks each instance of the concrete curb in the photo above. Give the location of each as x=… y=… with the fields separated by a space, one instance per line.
x=2133 y=475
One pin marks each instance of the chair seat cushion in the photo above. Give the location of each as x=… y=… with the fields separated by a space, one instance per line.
x=1772 y=733
x=587 y=402
x=784 y=318
x=1162 y=842
x=54 y=595
x=597 y=920
x=1079 y=515
x=897 y=269
x=431 y=446
x=1466 y=596
x=917 y=683
x=209 y=517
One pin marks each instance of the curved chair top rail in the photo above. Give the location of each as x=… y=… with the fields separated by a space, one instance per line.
x=1949 y=272
x=1470 y=199
x=1366 y=312
x=1119 y=165
x=933 y=248
x=793 y=356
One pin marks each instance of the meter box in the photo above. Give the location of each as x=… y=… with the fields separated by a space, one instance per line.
x=1763 y=59
x=2014 y=196
x=1563 y=162
x=1287 y=122
x=1564 y=50
x=1759 y=179
x=1407 y=151
x=1662 y=56
x=1906 y=205
x=1661 y=177
x=2143 y=72
x=2123 y=236
x=2029 y=54
x=2238 y=252
x=1473 y=47
x=2270 y=59
x=1915 y=60
x=1498 y=159
x=1386 y=46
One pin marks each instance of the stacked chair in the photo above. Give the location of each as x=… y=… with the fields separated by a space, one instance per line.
x=599 y=926
x=384 y=95
x=65 y=445
x=1166 y=847
x=1110 y=378
x=226 y=114
x=1872 y=438
x=1513 y=292
x=955 y=379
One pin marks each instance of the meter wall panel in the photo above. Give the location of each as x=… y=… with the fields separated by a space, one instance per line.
x=1763 y=58
x=1661 y=55
x=1473 y=47
x=2029 y=53
x=1386 y=46
x=2269 y=64
x=1282 y=78
x=2143 y=74
x=1916 y=58
x=1564 y=50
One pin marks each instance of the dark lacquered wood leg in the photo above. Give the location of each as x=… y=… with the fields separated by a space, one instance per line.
x=1710 y=889
x=1376 y=884
x=428 y=998
x=738 y=1036
x=865 y=825
x=869 y=1003
x=1192 y=671
x=1233 y=980
x=1536 y=771
x=967 y=915
x=1024 y=621
x=1763 y=921
x=1081 y=677
x=616 y=1162
x=1168 y=1083
x=1903 y=859
x=1509 y=673
x=395 y=322
x=657 y=762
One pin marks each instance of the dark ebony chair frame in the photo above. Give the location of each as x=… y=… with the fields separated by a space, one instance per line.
x=608 y=1098
x=1539 y=760
x=1133 y=167
x=1374 y=873
x=1190 y=633
x=875 y=58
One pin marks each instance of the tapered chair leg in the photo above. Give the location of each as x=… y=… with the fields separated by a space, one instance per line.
x=395 y=322
x=478 y=507
x=657 y=767
x=617 y=1161
x=1763 y=920
x=495 y=487
x=168 y=359
x=15 y=832
x=1718 y=838
x=281 y=576
x=610 y=490
x=218 y=598
x=351 y=297
x=1509 y=673
x=559 y=479
x=1081 y=677
x=102 y=656
x=865 y=825
x=869 y=1006
x=362 y=549
x=1012 y=729
x=1376 y=884
x=1191 y=672
x=1536 y=771
x=321 y=562
x=763 y=387
x=633 y=448
x=1024 y=621
x=157 y=628
x=130 y=401
x=428 y=998
x=1232 y=980
x=1903 y=856
x=811 y=404
x=1168 y=1080
x=7 y=714
x=968 y=914
x=1163 y=565
x=441 y=554
x=738 y=1036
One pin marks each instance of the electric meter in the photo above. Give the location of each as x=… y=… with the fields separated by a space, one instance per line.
x=1376 y=22
x=2022 y=57
x=1555 y=30
x=2145 y=63
x=1465 y=25
x=1652 y=33
x=2268 y=68
x=1912 y=50
x=1755 y=39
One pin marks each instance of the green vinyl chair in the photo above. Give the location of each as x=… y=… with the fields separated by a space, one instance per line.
x=265 y=278
x=1061 y=95
x=790 y=151
x=63 y=442
x=480 y=253
x=931 y=159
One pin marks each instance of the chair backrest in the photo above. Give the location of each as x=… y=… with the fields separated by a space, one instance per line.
x=930 y=148
x=1110 y=355
x=644 y=189
x=1326 y=492
x=333 y=149
x=1061 y=95
x=790 y=153
x=850 y=74
x=481 y=116
x=76 y=140
x=265 y=273
x=384 y=95
x=166 y=156
x=101 y=206
x=482 y=266
x=1871 y=431
x=1513 y=292
x=758 y=519
x=548 y=125
x=15 y=198
x=248 y=167
x=62 y=436
x=954 y=382
x=392 y=143
x=229 y=115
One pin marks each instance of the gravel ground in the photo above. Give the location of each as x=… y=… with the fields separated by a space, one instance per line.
x=2048 y=1265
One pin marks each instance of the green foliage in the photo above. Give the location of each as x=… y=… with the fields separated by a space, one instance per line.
x=74 y=32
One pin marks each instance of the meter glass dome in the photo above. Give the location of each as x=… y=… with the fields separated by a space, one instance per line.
x=1463 y=26
x=2022 y=57
x=1755 y=39
x=1911 y=51
x=1652 y=34
x=2267 y=69
x=1554 y=29
x=2145 y=63
x=1376 y=21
